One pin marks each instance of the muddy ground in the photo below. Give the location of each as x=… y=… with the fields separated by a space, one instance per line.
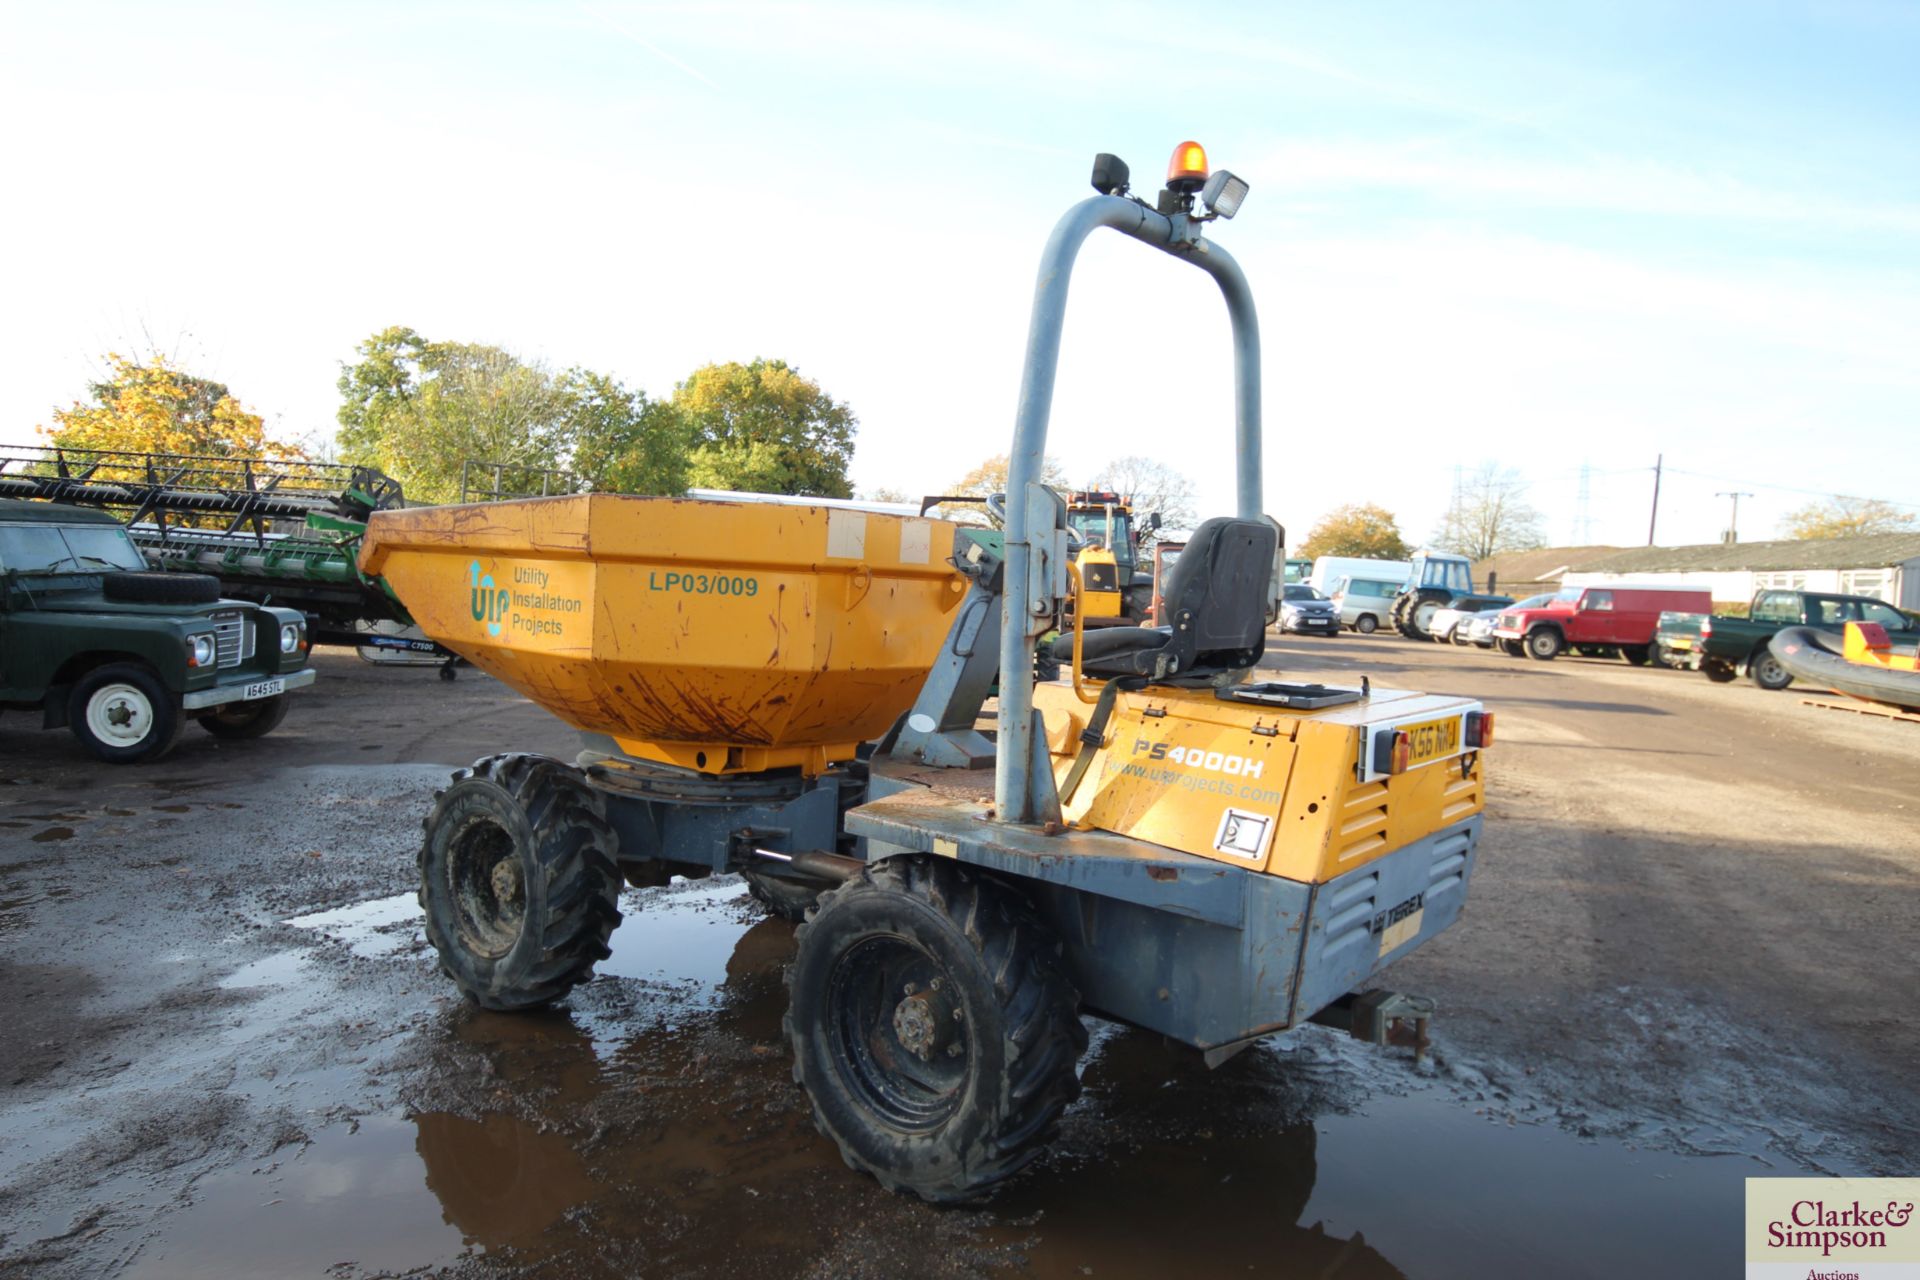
x=1686 y=960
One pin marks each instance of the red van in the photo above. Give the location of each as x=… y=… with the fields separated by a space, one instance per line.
x=1621 y=618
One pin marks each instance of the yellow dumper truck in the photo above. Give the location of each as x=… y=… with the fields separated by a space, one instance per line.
x=799 y=691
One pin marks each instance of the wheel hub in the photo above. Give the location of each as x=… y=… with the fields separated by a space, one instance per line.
x=919 y=1023
x=506 y=881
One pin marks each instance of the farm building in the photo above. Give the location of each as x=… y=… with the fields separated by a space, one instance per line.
x=1885 y=565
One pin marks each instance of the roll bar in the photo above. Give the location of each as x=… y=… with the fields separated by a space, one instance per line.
x=1034 y=554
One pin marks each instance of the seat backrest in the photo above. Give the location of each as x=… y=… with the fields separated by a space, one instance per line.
x=1216 y=595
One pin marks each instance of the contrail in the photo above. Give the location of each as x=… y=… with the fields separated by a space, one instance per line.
x=618 y=29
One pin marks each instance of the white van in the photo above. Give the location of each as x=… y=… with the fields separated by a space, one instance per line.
x=1365 y=604
x=1328 y=570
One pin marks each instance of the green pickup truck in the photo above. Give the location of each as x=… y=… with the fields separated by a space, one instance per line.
x=94 y=641
x=1726 y=647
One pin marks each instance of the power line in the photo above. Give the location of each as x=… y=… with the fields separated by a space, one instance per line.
x=1783 y=488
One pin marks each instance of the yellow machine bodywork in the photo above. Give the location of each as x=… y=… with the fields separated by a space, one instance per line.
x=1100 y=596
x=719 y=636
x=1264 y=788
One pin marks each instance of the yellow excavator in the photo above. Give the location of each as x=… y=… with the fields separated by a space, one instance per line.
x=799 y=690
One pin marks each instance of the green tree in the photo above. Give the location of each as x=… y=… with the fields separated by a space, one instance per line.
x=1358 y=529
x=1847 y=518
x=418 y=410
x=763 y=428
x=620 y=441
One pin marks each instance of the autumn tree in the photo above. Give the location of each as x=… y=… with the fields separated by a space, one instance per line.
x=1363 y=530
x=763 y=428
x=1154 y=487
x=1842 y=517
x=149 y=406
x=1489 y=514
x=989 y=478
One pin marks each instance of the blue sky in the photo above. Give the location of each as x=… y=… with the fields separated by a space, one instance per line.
x=1544 y=235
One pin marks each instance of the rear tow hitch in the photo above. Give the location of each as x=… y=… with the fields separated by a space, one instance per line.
x=1382 y=1017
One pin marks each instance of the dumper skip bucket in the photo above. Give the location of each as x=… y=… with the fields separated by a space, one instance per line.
x=724 y=637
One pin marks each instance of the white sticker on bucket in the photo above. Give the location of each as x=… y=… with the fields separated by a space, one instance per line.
x=916 y=541
x=846 y=535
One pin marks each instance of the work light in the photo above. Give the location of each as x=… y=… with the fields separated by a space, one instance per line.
x=1223 y=193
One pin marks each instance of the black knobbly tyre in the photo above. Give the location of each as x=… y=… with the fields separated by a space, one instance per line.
x=932 y=1028
x=518 y=881
x=1544 y=643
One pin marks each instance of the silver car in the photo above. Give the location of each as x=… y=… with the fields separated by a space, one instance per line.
x=1305 y=611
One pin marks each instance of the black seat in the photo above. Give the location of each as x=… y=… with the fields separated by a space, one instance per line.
x=1216 y=603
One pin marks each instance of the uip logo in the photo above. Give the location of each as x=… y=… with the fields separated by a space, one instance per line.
x=488 y=602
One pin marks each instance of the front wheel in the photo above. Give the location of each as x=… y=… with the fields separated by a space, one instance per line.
x=254 y=719
x=1768 y=672
x=1366 y=624
x=932 y=1028
x=1719 y=672
x=1544 y=644
x=518 y=881
x=123 y=714
x=1636 y=655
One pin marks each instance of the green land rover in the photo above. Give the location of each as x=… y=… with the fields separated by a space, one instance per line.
x=93 y=640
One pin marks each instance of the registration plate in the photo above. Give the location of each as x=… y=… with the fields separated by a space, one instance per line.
x=262 y=689
x=1432 y=740
x=1679 y=644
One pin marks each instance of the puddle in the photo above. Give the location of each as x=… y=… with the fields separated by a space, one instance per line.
x=571 y=1137
x=355 y=1192
x=652 y=1127
x=174 y=808
x=370 y=929
x=51 y=834
x=682 y=935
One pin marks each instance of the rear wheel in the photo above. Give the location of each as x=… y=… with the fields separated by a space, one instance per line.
x=1512 y=648
x=253 y=719
x=1768 y=672
x=123 y=714
x=518 y=881
x=1366 y=624
x=1719 y=672
x=932 y=1028
x=1637 y=655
